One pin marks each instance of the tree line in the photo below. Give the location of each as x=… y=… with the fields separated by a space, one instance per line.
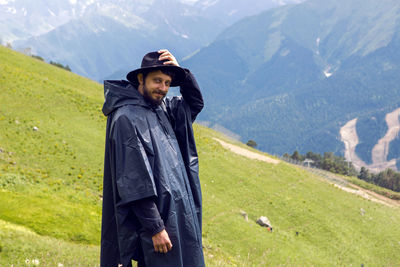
x=388 y=178
x=57 y=64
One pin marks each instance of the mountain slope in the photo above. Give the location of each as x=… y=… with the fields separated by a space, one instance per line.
x=51 y=180
x=302 y=72
x=103 y=38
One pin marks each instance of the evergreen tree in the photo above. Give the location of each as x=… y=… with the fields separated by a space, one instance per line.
x=251 y=143
x=296 y=156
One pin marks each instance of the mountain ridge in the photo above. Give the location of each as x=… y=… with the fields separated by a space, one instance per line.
x=304 y=71
x=181 y=26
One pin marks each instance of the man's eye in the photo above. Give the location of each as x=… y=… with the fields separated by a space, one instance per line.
x=167 y=83
x=157 y=80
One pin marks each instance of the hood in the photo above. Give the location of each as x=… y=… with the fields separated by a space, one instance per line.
x=118 y=93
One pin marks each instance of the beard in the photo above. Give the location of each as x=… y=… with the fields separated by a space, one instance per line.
x=147 y=95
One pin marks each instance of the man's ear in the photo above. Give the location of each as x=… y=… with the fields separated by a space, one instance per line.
x=140 y=78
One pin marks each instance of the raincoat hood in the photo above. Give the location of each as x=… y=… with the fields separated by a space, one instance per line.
x=121 y=93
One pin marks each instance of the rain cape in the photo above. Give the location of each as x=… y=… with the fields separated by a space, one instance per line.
x=150 y=152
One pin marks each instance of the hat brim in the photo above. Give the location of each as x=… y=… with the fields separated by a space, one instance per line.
x=179 y=74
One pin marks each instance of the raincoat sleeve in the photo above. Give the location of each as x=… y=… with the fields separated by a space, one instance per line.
x=133 y=175
x=191 y=97
x=148 y=215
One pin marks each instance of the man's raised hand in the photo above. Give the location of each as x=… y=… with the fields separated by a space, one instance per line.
x=166 y=55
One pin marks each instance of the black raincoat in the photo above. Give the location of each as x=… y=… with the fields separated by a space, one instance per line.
x=150 y=152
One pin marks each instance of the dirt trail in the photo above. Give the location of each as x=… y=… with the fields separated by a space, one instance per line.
x=246 y=153
x=380 y=151
x=367 y=194
x=378 y=198
x=349 y=137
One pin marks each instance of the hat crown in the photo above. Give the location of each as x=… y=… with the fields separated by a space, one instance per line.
x=152 y=60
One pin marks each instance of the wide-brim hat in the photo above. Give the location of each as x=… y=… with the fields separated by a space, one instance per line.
x=150 y=63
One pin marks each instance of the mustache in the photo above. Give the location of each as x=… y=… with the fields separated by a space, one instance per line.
x=160 y=92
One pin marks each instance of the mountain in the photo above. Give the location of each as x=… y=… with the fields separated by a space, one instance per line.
x=291 y=77
x=51 y=165
x=103 y=39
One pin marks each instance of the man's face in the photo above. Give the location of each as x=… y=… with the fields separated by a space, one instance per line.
x=155 y=86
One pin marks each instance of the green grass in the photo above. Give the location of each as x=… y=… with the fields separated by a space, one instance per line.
x=51 y=185
x=19 y=244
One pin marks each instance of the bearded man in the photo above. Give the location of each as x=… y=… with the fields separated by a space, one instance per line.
x=151 y=188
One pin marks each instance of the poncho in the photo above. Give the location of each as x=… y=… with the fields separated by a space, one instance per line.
x=150 y=151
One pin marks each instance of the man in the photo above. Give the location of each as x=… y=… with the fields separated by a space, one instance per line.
x=151 y=189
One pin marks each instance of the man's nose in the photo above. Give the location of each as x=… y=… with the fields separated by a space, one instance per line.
x=164 y=87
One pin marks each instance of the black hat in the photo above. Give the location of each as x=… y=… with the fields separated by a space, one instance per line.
x=150 y=62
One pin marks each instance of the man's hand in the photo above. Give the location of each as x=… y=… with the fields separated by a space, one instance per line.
x=166 y=55
x=161 y=242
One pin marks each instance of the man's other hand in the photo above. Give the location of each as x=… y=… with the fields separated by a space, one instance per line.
x=161 y=242
x=166 y=55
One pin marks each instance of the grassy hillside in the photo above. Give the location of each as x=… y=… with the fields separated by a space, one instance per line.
x=51 y=181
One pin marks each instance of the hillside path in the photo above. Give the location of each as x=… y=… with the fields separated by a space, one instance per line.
x=247 y=153
x=370 y=195
x=351 y=188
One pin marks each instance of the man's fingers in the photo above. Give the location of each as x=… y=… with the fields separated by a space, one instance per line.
x=161 y=242
x=162 y=249
x=166 y=55
x=169 y=62
x=166 y=58
x=169 y=246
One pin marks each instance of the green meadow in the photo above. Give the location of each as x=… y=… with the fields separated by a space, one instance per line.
x=51 y=162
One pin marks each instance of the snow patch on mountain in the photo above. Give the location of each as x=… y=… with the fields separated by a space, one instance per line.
x=209 y=3
x=189 y=2
x=51 y=12
x=11 y=10
x=232 y=12
x=5 y=2
x=327 y=72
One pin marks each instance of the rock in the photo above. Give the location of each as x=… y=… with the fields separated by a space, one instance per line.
x=263 y=221
x=362 y=212
x=244 y=214
x=35 y=128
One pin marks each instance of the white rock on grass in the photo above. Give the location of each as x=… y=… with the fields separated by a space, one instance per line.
x=263 y=221
x=362 y=212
